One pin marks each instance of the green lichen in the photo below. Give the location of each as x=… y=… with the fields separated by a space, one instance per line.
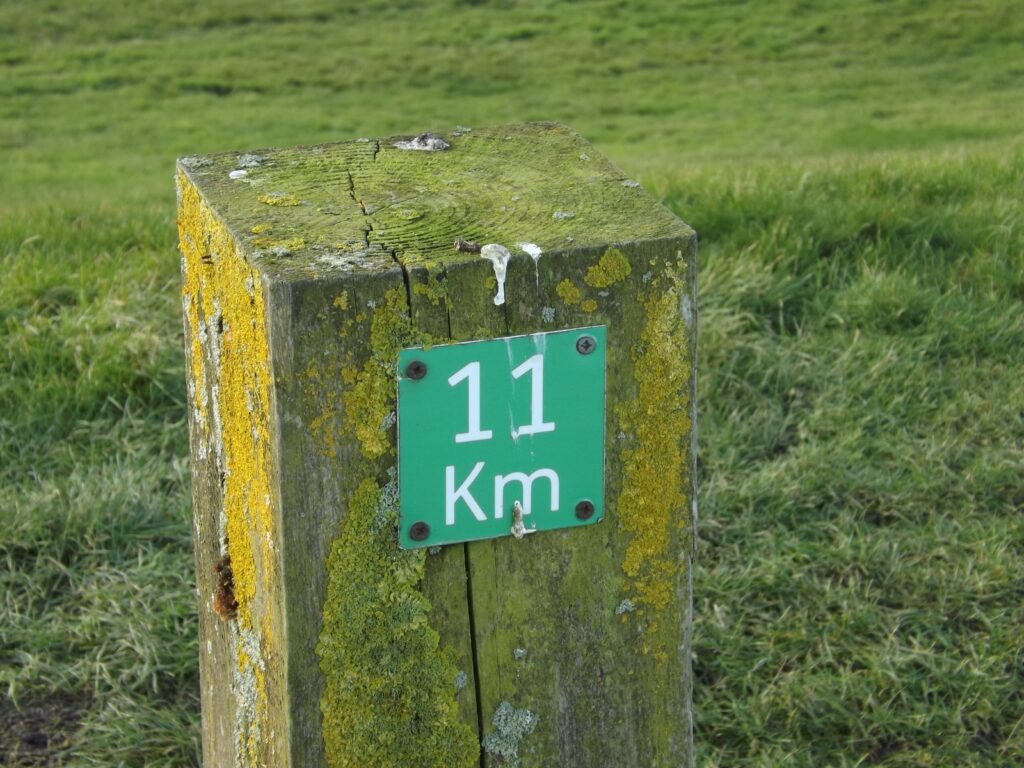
x=434 y=290
x=511 y=726
x=373 y=394
x=388 y=700
x=656 y=461
x=613 y=267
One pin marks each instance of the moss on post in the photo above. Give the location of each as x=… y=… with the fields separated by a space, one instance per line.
x=305 y=271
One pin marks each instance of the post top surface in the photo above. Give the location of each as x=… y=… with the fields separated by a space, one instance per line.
x=359 y=206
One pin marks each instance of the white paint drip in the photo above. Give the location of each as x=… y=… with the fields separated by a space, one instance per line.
x=498 y=255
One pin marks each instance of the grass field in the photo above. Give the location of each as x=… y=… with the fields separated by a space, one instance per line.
x=855 y=171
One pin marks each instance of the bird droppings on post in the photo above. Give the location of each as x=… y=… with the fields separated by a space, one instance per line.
x=238 y=174
x=498 y=255
x=519 y=654
x=563 y=215
x=511 y=726
x=519 y=529
x=425 y=142
x=532 y=249
x=535 y=253
x=631 y=183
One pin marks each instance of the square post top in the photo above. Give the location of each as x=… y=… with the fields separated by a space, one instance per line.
x=371 y=204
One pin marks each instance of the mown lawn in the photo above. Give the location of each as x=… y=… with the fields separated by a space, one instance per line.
x=855 y=172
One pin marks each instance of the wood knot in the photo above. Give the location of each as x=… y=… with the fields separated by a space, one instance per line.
x=224 y=602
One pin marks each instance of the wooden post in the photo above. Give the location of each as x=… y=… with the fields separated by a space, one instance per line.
x=305 y=272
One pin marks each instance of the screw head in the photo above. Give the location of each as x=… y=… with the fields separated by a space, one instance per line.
x=585 y=510
x=419 y=531
x=416 y=370
x=586 y=344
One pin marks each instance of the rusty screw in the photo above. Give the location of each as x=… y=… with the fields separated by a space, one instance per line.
x=419 y=531
x=416 y=370
x=585 y=510
x=585 y=345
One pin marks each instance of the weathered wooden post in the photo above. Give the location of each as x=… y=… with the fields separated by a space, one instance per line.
x=413 y=553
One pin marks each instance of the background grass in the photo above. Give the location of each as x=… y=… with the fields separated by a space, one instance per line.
x=855 y=172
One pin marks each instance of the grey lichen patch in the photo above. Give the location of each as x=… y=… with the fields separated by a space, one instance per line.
x=630 y=183
x=250 y=161
x=519 y=654
x=511 y=726
x=195 y=162
x=547 y=314
x=425 y=142
x=563 y=215
x=626 y=606
x=461 y=681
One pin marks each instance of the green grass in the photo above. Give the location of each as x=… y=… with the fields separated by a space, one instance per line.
x=854 y=170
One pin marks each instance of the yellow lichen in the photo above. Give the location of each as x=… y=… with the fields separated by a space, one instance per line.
x=288 y=244
x=341 y=301
x=568 y=292
x=656 y=462
x=588 y=305
x=613 y=267
x=230 y=388
x=259 y=229
x=280 y=199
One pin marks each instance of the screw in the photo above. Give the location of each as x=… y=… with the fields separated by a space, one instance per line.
x=585 y=345
x=419 y=531
x=416 y=370
x=585 y=510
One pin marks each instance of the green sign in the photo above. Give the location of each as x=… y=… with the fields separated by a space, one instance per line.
x=503 y=437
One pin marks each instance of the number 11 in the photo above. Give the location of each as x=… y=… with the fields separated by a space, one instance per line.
x=471 y=375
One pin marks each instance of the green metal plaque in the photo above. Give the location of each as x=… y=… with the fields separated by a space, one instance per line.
x=503 y=437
